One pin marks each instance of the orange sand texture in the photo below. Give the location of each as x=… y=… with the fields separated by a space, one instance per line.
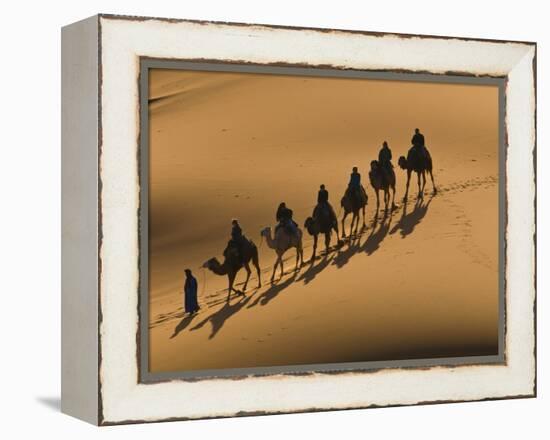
x=421 y=282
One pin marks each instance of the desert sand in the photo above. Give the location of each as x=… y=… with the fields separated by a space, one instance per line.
x=418 y=282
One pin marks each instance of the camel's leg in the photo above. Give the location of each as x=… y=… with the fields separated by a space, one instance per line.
x=344 y=225
x=419 y=190
x=275 y=267
x=248 y=272
x=231 y=278
x=363 y=212
x=299 y=256
x=335 y=227
x=315 y=238
x=407 y=187
x=393 y=198
x=281 y=264
x=327 y=241
x=433 y=183
x=423 y=181
x=256 y=264
x=377 y=202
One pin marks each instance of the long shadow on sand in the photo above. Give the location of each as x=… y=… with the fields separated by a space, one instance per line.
x=409 y=221
x=182 y=325
x=273 y=291
x=315 y=269
x=218 y=318
x=380 y=227
x=353 y=246
x=375 y=238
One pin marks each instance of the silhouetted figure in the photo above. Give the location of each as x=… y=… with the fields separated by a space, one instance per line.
x=418 y=160
x=323 y=221
x=236 y=257
x=190 y=293
x=382 y=179
x=384 y=156
x=384 y=159
x=354 y=202
x=322 y=195
x=354 y=190
x=284 y=219
x=235 y=245
x=354 y=180
x=418 y=139
x=236 y=231
x=323 y=208
x=419 y=143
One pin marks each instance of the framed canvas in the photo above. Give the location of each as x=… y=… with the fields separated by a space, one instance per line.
x=264 y=219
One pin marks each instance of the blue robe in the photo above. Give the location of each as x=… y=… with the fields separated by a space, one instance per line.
x=190 y=289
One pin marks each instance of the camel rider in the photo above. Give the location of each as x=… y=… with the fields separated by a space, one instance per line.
x=323 y=206
x=384 y=158
x=284 y=219
x=322 y=195
x=236 y=231
x=419 y=143
x=354 y=185
x=237 y=238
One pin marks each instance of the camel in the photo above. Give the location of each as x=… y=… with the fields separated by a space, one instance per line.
x=281 y=243
x=380 y=180
x=233 y=263
x=354 y=206
x=323 y=223
x=414 y=162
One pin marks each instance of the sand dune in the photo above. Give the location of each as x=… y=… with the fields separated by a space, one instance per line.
x=421 y=281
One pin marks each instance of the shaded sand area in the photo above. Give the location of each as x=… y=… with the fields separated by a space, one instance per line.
x=421 y=281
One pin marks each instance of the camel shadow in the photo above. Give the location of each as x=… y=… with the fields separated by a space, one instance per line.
x=375 y=238
x=182 y=325
x=315 y=269
x=219 y=318
x=343 y=257
x=273 y=291
x=379 y=230
x=408 y=221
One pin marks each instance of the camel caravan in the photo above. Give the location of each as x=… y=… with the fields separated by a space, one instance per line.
x=241 y=251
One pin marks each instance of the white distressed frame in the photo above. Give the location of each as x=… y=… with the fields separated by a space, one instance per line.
x=122 y=41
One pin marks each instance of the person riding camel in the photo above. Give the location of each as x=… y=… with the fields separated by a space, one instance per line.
x=236 y=231
x=284 y=219
x=322 y=195
x=323 y=204
x=418 y=142
x=354 y=185
x=236 y=243
x=384 y=159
